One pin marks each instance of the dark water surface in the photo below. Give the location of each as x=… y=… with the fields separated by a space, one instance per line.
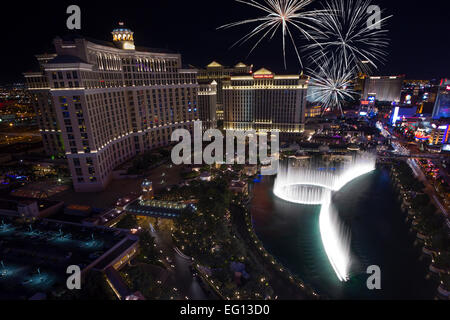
x=380 y=236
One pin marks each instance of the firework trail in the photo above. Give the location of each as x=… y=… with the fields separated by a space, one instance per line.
x=332 y=82
x=283 y=16
x=346 y=34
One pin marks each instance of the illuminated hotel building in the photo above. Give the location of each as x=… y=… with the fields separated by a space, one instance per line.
x=207 y=100
x=219 y=73
x=440 y=134
x=387 y=89
x=39 y=88
x=114 y=101
x=442 y=105
x=313 y=112
x=265 y=101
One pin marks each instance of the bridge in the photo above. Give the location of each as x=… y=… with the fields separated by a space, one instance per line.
x=158 y=209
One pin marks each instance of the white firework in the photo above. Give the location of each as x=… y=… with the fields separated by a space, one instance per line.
x=332 y=83
x=281 y=15
x=348 y=33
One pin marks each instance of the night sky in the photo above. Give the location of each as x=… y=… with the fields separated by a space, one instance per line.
x=419 y=33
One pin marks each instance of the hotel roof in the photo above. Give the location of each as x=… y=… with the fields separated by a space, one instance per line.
x=214 y=64
x=263 y=71
x=73 y=37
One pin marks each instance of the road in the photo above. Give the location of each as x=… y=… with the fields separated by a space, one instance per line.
x=20 y=134
x=185 y=282
x=404 y=148
x=428 y=187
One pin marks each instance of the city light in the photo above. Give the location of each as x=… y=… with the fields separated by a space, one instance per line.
x=118 y=181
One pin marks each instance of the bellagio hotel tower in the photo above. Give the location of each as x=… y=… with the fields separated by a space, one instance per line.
x=102 y=103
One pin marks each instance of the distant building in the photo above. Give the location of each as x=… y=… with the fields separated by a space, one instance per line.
x=440 y=134
x=442 y=105
x=313 y=112
x=418 y=92
x=29 y=208
x=42 y=101
x=219 y=73
x=386 y=88
x=207 y=100
x=265 y=102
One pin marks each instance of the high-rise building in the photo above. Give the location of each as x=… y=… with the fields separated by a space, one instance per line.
x=386 y=88
x=207 y=100
x=440 y=133
x=113 y=101
x=219 y=73
x=442 y=105
x=265 y=101
x=39 y=88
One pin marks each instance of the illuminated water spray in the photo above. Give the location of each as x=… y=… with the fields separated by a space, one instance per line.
x=315 y=186
x=336 y=238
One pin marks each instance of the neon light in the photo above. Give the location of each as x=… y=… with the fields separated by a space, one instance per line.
x=396 y=112
x=420 y=135
x=446 y=135
x=263 y=76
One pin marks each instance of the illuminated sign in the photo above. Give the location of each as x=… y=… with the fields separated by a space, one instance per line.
x=448 y=88
x=128 y=46
x=364 y=102
x=446 y=147
x=263 y=76
x=408 y=99
x=420 y=135
x=445 y=139
x=396 y=112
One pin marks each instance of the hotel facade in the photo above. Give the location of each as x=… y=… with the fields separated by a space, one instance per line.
x=42 y=100
x=385 y=88
x=442 y=106
x=107 y=102
x=217 y=73
x=265 y=102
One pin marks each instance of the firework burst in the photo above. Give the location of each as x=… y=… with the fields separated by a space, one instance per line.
x=281 y=15
x=346 y=34
x=332 y=83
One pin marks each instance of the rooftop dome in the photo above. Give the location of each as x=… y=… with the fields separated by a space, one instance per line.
x=124 y=36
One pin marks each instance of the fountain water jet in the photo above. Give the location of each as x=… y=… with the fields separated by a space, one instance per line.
x=314 y=186
x=336 y=239
x=289 y=177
